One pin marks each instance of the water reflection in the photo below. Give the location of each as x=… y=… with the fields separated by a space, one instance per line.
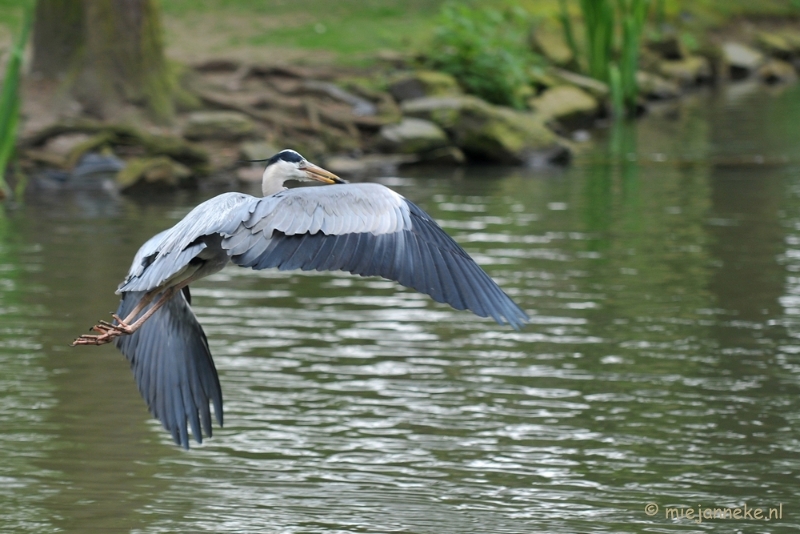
x=661 y=363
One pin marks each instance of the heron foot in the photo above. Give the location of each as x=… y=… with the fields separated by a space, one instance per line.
x=121 y=326
x=108 y=332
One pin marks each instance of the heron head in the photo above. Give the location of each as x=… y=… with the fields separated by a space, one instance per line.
x=289 y=165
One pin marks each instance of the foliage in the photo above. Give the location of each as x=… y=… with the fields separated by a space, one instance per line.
x=486 y=51
x=632 y=14
x=9 y=102
x=603 y=21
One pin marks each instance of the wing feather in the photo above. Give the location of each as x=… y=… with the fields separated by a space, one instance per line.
x=173 y=367
x=367 y=229
x=171 y=361
x=221 y=215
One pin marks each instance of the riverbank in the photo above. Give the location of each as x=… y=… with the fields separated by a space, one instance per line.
x=373 y=113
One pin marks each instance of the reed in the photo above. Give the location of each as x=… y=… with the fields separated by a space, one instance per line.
x=10 y=102
x=632 y=16
x=613 y=34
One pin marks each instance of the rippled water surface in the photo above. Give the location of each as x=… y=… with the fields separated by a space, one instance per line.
x=661 y=365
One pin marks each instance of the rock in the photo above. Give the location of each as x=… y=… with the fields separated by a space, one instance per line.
x=93 y=163
x=594 y=87
x=394 y=58
x=542 y=79
x=424 y=83
x=93 y=143
x=62 y=145
x=686 y=72
x=742 y=60
x=569 y=105
x=250 y=175
x=412 y=135
x=777 y=71
x=250 y=150
x=360 y=106
x=448 y=155
x=552 y=46
x=160 y=171
x=345 y=166
x=649 y=60
x=126 y=136
x=668 y=47
x=490 y=132
x=792 y=38
x=655 y=87
x=775 y=44
x=225 y=125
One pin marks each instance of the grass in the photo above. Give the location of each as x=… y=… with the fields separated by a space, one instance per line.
x=350 y=29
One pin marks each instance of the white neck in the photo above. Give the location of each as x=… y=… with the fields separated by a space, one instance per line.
x=272 y=181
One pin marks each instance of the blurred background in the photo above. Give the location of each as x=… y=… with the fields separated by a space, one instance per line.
x=627 y=171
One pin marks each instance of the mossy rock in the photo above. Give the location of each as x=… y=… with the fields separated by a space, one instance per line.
x=423 y=83
x=552 y=46
x=221 y=125
x=742 y=60
x=775 y=44
x=160 y=172
x=594 y=87
x=412 y=135
x=777 y=71
x=567 y=104
x=792 y=38
x=254 y=150
x=542 y=79
x=668 y=47
x=655 y=87
x=686 y=72
x=116 y=135
x=490 y=132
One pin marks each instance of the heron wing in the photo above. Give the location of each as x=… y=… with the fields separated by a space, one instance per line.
x=171 y=362
x=160 y=259
x=369 y=230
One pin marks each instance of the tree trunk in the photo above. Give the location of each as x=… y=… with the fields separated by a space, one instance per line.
x=107 y=55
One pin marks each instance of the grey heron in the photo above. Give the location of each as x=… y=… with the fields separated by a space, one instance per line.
x=365 y=229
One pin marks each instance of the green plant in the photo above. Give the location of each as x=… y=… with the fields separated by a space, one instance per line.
x=566 y=23
x=632 y=14
x=598 y=21
x=486 y=51
x=604 y=21
x=9 y=103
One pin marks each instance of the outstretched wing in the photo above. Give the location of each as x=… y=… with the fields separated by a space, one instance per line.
x=172 y=364
x=366 y=229
x=179 y=245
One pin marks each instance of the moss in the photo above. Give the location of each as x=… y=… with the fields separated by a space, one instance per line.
x=160 y=171
x=94 y=142
x=118 y=135
x=481 y=129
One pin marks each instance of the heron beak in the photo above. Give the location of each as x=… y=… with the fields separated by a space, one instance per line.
x=319 y=174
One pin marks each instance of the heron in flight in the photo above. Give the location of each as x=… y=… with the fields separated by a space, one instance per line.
x=365 y=229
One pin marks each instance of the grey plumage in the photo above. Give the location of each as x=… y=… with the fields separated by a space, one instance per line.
x=172 y=364
x=364 y=229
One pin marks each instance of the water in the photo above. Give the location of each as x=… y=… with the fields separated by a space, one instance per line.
x=661 y=365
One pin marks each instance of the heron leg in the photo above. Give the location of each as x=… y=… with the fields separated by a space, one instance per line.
x=109 y=331
x=146 y=299
x=123 y=327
